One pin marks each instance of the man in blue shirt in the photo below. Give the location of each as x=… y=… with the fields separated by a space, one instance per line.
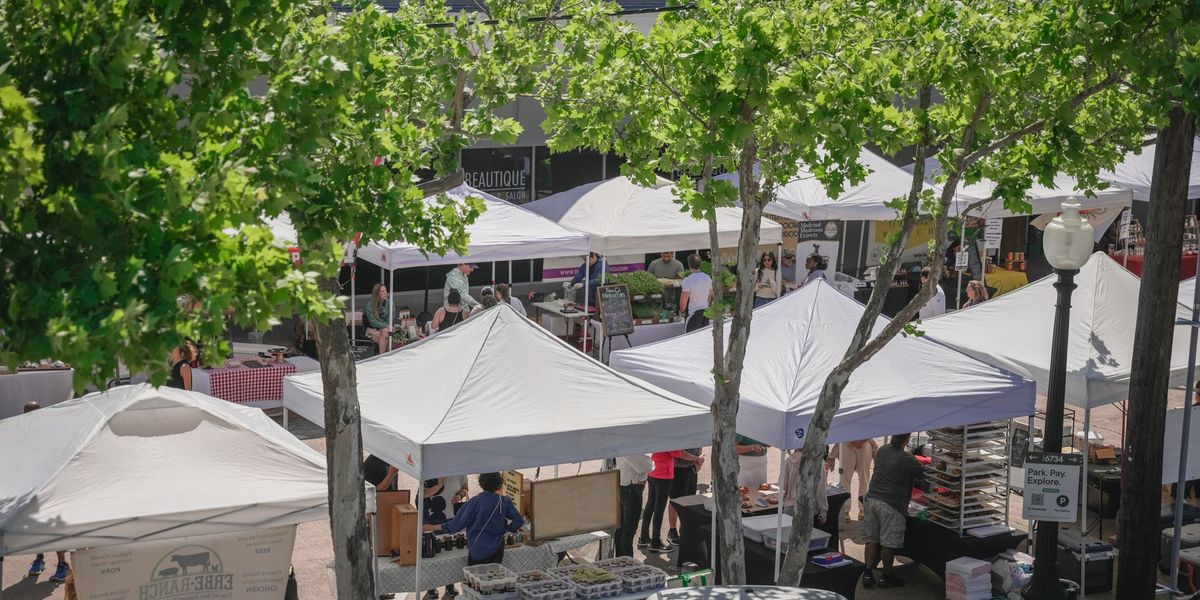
x=486 y=517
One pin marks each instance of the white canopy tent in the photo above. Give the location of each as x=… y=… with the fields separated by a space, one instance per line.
x=137 y=463
x=1136 y=172
x=623 y=218
x=507 y=394
x=913 y=384
x=806 y=199
x=1101 y=207
x=503 y=232
x=1013 y=331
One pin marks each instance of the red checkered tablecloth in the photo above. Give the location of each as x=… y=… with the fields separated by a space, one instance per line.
x=235 y=382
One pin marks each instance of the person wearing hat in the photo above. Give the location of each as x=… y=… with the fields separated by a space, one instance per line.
x=592 y=269
x=456 y=279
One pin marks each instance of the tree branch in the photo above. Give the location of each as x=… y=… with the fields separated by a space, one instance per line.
x=1040 y=124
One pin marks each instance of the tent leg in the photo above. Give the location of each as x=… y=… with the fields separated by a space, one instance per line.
x=1181 y=484
x=962 y=237
x=587 y=286
x=779 y=512
x=1083 y=530
x=712 y=544
x=285 y=417
x=372 y=526
x=391 y=303
x=353 y=333
x=603 y=272
x=420 y=535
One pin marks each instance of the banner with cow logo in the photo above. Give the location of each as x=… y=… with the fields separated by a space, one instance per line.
x=250 y=565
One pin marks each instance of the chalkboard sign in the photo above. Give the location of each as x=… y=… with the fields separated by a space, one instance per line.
x=616 y=310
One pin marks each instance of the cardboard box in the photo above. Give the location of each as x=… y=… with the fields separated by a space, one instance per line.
x=384 y=501
x=1103 y=453
x=405 y=522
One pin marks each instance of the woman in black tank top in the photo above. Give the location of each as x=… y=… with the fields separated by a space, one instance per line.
x=451 y=314
x=181 y=370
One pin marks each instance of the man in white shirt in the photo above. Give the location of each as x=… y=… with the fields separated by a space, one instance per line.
x=696 y=296
x=634 y=471
x=937 y=304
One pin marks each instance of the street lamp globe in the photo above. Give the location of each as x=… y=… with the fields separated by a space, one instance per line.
x=1068 y=239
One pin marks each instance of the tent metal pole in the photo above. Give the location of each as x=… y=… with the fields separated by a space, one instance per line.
x=375 y=549
x=1087 y=440
x=712 y=544
x=962 y=241
x=353 y=332
x=603 y=280
x=587 y=274
x=1189 y=391
x=420 y=535
x=391 y=303
x=841 y=249
x=779 y=511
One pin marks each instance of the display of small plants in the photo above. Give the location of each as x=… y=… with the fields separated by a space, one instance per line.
x=641 y=283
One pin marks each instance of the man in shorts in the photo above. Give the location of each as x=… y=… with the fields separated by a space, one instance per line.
x=886 y=509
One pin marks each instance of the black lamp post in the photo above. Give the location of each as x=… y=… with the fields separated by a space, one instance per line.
x=1068 y=244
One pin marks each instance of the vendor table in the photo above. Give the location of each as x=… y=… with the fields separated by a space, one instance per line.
x=446 y=568
x=1187 y=267
x=695 y=522
x=47 y=386
x=744 y=592
x=233 y=381
x=642 y=334
x=1107 y=479
x=1004 y=281
x=554 y=311
x=897 y=297
x=933 y=545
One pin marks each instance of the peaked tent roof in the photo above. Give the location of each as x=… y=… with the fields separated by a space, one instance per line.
x=138 y=463
x=1013 y=331
x=1136 y=172
x=806 y=199
x=621 y=217
x=504 y=231
x=1043 y=199
x=913 y=384
x=499 y=392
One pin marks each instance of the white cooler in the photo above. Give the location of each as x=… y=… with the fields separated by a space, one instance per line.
x=753 y=527
x=818 y=541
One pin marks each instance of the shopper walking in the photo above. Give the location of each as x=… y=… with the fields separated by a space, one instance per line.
x=887 y=508
x=856 y=458
x=634 y=471
x=766 y=280
x=687 y=469
x=39 y=562
x=696 y=295
x=660 y=477
x=486 y=518
x=976 y=293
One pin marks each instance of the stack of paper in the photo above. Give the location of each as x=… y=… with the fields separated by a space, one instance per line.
x=968 y=579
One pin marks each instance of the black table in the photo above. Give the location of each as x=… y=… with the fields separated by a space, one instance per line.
x=1107 y=479
x=695 y=523
x=933 y=545
x=695 y=526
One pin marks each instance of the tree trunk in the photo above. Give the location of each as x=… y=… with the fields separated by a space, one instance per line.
x=353 y=558
x=856 y=354
x=1148 y=384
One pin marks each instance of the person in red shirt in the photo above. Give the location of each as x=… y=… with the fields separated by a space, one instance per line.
x=660 y=478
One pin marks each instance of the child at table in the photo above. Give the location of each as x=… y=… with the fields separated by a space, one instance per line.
x=487 y=518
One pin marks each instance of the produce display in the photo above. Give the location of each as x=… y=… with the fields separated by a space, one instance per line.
x=546 y=589
x=592 y=583
x=533 y=576
x=641 y=579
x=618 y=562
x=641 y=283
x=490 y=579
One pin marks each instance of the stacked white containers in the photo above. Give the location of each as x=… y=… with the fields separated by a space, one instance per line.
x=968 y=579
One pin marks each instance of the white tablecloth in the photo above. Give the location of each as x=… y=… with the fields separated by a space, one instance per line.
x=642 y=334
x=44 y=387
x=446 y=568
